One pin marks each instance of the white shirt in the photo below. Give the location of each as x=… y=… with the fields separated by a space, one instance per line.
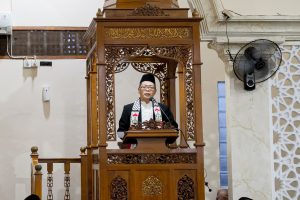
x=147 y=111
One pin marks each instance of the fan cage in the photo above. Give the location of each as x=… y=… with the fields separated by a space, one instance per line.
x=272 y=54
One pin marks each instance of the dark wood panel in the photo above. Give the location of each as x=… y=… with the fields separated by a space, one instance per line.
x=44 y=42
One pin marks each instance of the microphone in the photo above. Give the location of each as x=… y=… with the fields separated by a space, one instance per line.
x=206 y=184
x=152 y=99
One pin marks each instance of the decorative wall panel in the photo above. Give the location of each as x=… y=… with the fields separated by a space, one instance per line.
x=149 y=33
x=286 y=126
x=152 y=186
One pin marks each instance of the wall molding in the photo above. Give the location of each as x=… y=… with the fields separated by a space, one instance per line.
x=245 y=26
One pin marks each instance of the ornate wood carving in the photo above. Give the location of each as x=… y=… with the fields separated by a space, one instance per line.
x=67 y=181
x=151 y=158
x=110 y=93
x=189 y=102
x=185 y=188
x=148 y=10
x=151 y=125
x=121 y=67
x=118 y=189
x=173 y=33
x=152 y=186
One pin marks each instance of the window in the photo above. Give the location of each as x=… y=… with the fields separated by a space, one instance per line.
x=222 y=134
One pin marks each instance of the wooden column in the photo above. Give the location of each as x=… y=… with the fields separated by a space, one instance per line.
x=84 y=175
x=182 y=105
x=172 y=66
x=92 y=120
x=199 y=144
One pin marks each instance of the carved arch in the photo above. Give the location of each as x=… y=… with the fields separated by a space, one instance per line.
x=117 y=59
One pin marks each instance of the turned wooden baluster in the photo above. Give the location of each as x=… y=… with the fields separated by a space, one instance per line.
x=36 y=173
x=67 y=180
x=50 y=181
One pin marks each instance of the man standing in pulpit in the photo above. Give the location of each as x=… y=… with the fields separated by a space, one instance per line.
x=145 y=108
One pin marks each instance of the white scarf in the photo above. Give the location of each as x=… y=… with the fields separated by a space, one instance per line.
x=134 y=117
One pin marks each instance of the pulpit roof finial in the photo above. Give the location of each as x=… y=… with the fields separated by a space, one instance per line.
x=132 y=4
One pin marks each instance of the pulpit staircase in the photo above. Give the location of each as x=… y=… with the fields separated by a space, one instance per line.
x=37 y=164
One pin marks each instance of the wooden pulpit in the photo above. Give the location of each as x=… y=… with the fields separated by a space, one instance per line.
x=151 y=36
x=151 y=170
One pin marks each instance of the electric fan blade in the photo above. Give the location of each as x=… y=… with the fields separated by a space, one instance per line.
x=262 y=72
x=242 y=67
x=266 y=48
x=267 y=72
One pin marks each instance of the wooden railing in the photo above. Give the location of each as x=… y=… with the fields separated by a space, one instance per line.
x=36 y=174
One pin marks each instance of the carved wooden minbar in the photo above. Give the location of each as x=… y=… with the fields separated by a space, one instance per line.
x=160 y=38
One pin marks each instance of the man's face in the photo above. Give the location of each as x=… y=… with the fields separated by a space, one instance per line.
x=146 y=90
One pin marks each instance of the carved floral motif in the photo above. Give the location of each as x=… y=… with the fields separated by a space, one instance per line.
x=185 y=188
x=151 y=158
x=152 y=186
x=151 y=125
x=118 y=189
x=148 y=10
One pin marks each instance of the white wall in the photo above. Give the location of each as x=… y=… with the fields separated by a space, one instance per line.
x=265 y=7
x=58 y=128
x=54 y=12
x=212 y=71
x=249 y=115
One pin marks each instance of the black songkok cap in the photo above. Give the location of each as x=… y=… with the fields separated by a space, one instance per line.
x=148 y=77
x=32 y=197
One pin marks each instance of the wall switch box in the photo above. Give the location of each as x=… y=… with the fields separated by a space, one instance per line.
x=26 y=63
x=46 y=93
x=5 y=23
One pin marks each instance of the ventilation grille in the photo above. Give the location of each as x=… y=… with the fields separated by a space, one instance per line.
x=46 y=43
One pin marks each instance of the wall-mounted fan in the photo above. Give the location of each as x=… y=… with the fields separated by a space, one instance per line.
x=257 y=61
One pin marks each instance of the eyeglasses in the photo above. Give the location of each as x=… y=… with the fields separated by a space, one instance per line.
x=147 y=87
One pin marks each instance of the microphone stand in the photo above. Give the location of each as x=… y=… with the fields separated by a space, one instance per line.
x=174 y=145
x=183 y=143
